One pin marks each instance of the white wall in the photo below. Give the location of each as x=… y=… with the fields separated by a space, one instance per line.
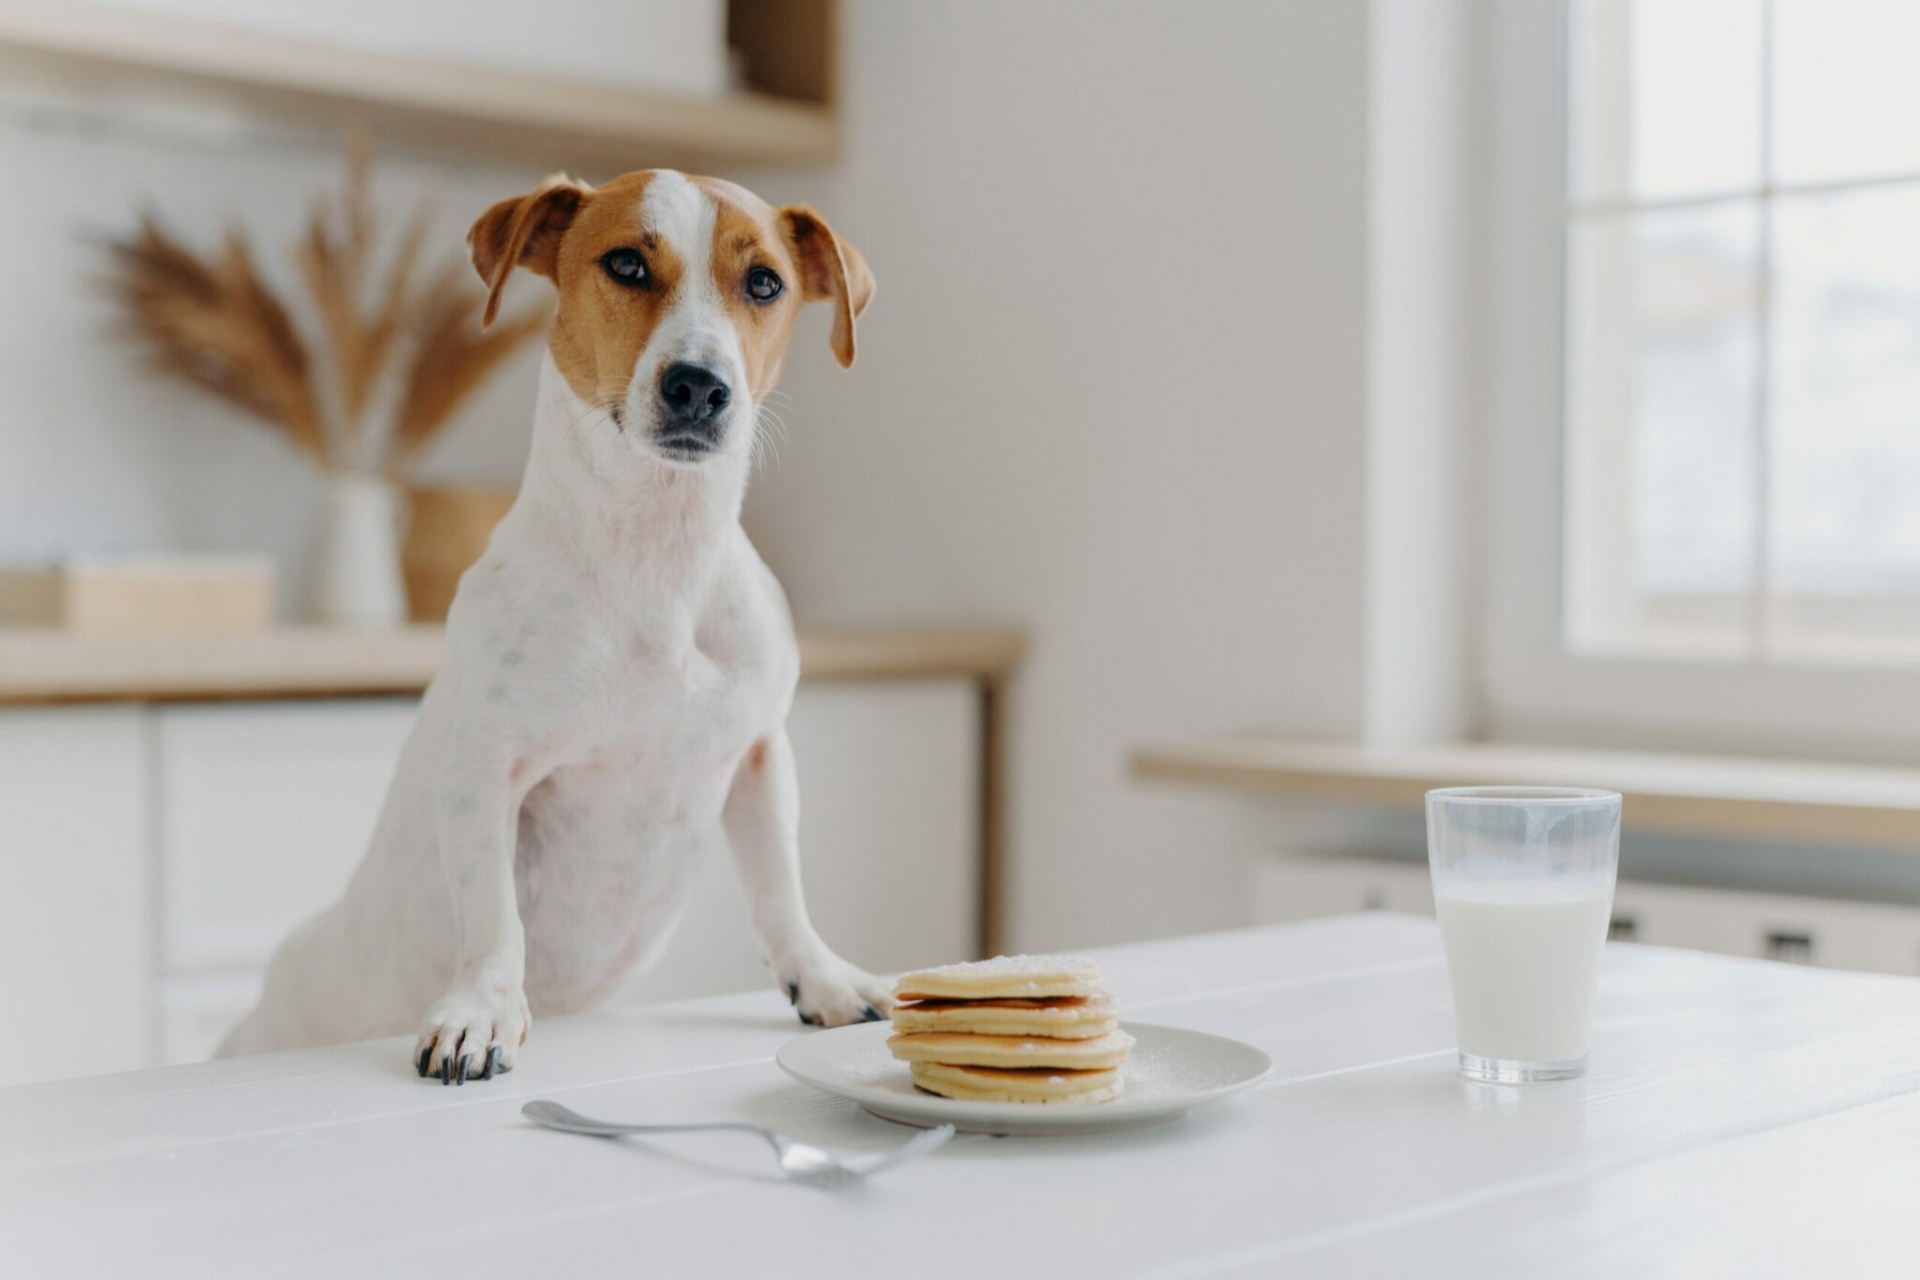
x=95 y=456
x=1113 y=390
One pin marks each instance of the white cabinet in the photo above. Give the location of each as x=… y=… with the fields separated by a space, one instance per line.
x=76 y=905
x=1820 y=931
x=265 y=810
x=151 y=859
x=674 y=46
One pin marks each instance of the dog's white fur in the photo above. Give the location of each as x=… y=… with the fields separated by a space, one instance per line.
x=612 y=711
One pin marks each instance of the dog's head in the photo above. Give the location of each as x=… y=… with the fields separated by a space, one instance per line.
x=677 y=296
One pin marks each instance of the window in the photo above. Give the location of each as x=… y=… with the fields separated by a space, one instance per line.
x=1741 y=265
x=1702 y=480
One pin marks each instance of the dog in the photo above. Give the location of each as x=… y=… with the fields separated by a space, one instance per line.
x=621 y=662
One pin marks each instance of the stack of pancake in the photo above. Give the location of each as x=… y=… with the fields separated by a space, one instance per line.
x=1011 y=1029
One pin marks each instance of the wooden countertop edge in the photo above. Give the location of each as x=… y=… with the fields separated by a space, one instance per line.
x=1814 y=802
x=43 y=667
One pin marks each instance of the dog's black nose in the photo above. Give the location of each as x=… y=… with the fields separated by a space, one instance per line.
x=693 y=393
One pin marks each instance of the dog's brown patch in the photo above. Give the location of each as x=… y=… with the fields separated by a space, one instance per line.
x=602 y=326
x=523 y=232
x=562 y=230
x=747 y=234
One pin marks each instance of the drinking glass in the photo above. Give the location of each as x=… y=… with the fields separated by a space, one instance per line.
x=1523 y=885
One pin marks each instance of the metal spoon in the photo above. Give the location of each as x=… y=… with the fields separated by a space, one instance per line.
x=801 y=1161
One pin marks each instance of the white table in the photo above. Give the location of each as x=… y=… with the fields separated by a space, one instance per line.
x=1741 y=1119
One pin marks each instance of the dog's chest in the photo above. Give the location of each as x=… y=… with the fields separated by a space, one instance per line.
x=659 y=742
x=609 y=843
x=680 y=714
x=704 y=704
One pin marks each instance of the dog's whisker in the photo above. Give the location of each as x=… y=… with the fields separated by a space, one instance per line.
x=770 y=424
x=769 y=431
x=609 y=412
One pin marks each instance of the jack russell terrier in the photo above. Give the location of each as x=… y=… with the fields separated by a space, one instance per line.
x=621 y=662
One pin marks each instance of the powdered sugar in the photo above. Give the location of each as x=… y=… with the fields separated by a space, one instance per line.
x=1016 y=967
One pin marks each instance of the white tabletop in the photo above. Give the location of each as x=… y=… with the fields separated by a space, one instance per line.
x=1740 y=1119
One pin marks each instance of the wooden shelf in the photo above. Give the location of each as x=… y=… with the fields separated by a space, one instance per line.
x=1795 y=801
x=543 y=120
x=50 y=666
x=905 y=655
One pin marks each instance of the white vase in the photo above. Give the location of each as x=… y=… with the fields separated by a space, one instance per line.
x=357 y=581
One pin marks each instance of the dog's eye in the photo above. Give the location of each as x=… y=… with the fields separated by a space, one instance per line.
x=763 y=285
x=626 y=266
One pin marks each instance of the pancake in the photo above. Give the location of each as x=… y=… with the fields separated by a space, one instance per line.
x=989 y=1084
x=1092 y=1053
x=1003 y=977
x=1066 y=1018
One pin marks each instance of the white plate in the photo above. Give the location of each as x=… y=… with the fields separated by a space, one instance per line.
x=1169 y=1072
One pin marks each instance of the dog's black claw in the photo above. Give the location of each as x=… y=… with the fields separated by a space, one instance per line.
x=793 y=993
x=493 y=1061
x=460 y=1073
x=870 y=1013
x=426 y=1056
x=808 y=1018
x=446 y=1069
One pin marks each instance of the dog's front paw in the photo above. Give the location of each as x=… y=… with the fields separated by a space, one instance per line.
x=826 y=991
x=473 y=1033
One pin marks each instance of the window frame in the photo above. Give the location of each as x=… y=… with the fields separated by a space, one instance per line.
x=1529 y=686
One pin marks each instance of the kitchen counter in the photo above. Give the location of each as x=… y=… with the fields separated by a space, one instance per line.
x=1741 y=1118
x=46 y=666
x=1725 y=797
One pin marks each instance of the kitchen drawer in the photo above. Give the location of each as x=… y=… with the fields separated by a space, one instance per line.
x=265 y=810
x=1819 y=931
x=76 y=912
x=1768 y=926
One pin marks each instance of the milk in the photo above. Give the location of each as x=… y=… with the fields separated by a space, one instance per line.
x=1523 y=956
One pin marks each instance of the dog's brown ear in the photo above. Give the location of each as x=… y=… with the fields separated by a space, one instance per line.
x=523 y=232
x=830 y=269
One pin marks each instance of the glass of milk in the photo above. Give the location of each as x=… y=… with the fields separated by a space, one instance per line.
x=1523 y=884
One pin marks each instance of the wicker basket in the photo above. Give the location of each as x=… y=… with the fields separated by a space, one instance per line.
x=449 y=530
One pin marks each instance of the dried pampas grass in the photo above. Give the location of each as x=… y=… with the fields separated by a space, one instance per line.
x=213 y=323
x=452 y=356
x=401 y=357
